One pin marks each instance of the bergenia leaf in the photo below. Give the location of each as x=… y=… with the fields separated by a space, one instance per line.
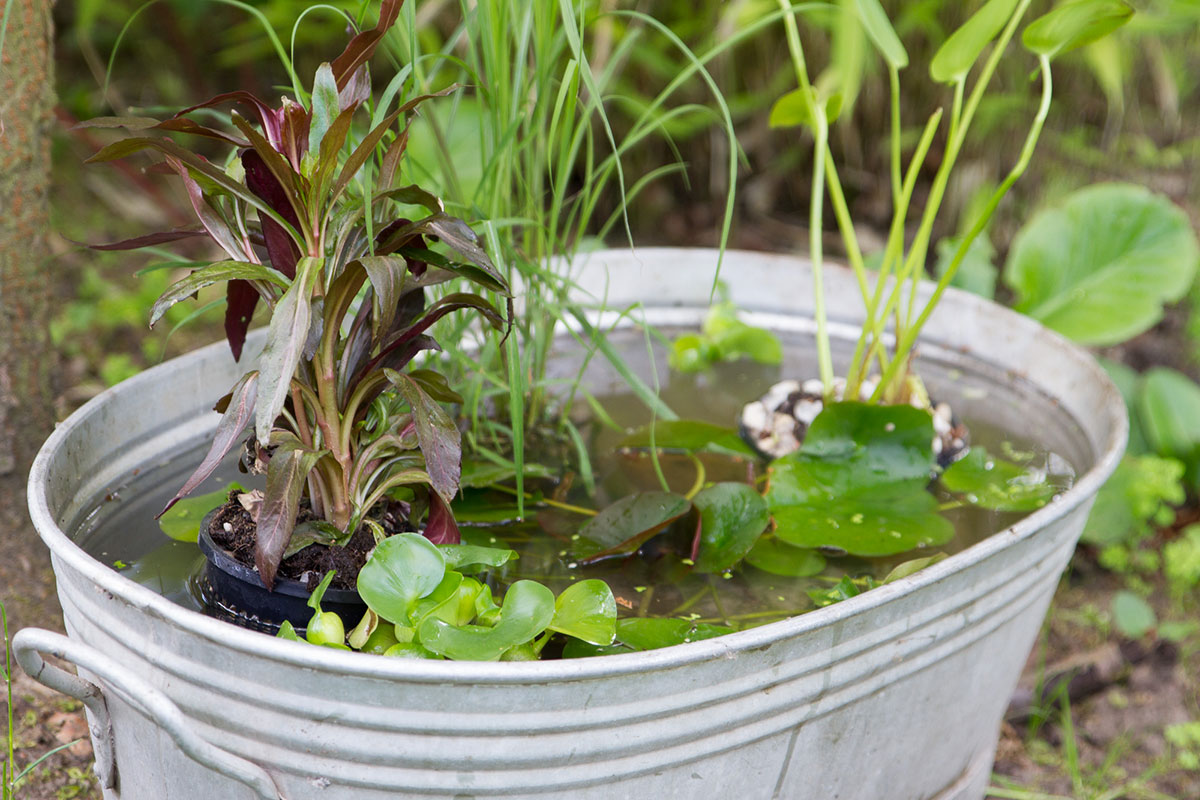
x=360 y=48
x=287 y=473
x=325 y=106
x=440 y=527
x=439 y=439
x=228 y=434
x=150 y=239
x=286 y=337
x=207 y=276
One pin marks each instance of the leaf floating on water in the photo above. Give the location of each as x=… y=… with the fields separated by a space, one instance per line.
x=983 y=480
x=690 y=436
x=779 y=558
x=182 y=521
x=858 y=483
x=732 y=517
x=622 y=527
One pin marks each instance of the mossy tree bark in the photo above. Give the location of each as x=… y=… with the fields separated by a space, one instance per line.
x=26 y=359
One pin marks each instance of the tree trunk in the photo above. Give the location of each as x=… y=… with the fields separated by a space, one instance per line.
x=26 y=360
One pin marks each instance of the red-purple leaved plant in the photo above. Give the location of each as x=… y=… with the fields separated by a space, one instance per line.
x=338 y=414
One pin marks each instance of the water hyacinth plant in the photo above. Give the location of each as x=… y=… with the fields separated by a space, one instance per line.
x=312 y=221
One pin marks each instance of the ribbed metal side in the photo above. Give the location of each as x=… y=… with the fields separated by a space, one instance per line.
x=895 y=694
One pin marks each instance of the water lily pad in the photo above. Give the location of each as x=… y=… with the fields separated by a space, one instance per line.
x=984 y=480
x=732 y=517
x=858 y=483
x=647 y=633
x=779 y=558
x=182 y=521
x=623 y=526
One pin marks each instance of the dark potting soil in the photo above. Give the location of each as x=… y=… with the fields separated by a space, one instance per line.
x=233 y=529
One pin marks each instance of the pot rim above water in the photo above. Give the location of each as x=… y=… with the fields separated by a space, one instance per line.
x=229 y=636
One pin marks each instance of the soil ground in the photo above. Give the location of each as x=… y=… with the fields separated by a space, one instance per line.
x=1136 y=690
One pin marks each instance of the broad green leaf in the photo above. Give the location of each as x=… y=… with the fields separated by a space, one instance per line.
x=287 y=473
x=219 y=272
x=484 y=508
x=977 y=272
x=649 y=633
x=401 y=570
x=691 y=436
x=182 y=521
x=623 y=526
x=732 y=517
x=1128 y=383
x=913 y=566
x=986 y=481
x=858 y=483
x=877 y=25
x=586 y=610
x=1073 y=24
x=409 y=650
x=324 y=106
x=954 y=59
x=780 y=558
x=286 y=337
x=1099 y=268
x=443 y=602
x=1169 y=409
x=438 y=436
x=1132 y=616
x=846 y=588
x=692 y=353
x=466 y=556
x=527 y=610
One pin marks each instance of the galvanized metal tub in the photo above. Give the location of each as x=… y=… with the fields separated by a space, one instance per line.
x=897 y=693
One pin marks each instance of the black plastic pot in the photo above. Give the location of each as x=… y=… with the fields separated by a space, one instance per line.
x=234 y=592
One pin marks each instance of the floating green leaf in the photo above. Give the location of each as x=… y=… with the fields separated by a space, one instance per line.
x=527 y=610
x=401 y=570
x=724 y=337
x=732 y=517
x=989 y=482
x=1099 y=269
x=858 y=483
x=623 y=526
x=1073 y=24
x=954 y=59
x=182 y=521
x=779 y=558
x=690 y=436
x=586 y=610
x=647 y=633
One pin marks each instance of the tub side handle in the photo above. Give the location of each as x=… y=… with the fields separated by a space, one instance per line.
x=30 y=644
